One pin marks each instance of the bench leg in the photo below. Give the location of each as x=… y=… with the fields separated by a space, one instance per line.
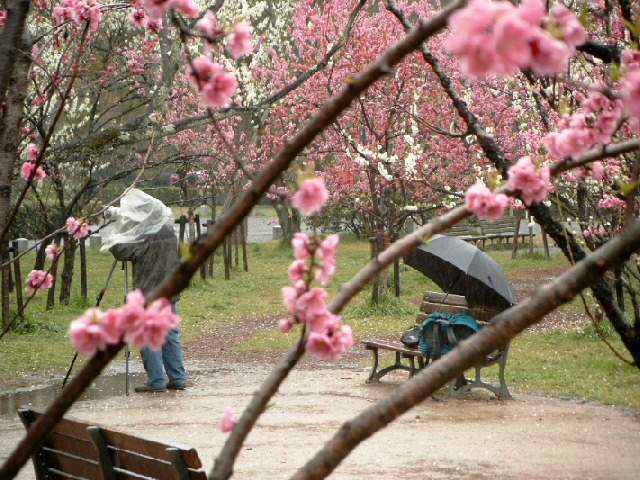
x=373 y=376
x=396 y=366
x=502 y=364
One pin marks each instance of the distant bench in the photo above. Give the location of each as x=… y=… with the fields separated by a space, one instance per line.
x=79 y=451
x=505 y=229
x=416 y=360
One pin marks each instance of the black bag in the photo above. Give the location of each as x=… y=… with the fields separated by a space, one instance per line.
x=411 y=338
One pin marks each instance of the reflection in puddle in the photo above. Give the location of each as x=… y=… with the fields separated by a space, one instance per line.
x=40 y=396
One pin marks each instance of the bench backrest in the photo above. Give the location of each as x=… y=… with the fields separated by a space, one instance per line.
x=503 y=225
x=448 y=303
x=78 y=451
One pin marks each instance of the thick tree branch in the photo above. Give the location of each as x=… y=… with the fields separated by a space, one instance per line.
x=10 y=38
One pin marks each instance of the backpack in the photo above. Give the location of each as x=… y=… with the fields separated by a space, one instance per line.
x=411 y=337
x=441 y=332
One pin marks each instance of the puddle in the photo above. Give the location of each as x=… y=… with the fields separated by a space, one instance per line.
x=40 y=396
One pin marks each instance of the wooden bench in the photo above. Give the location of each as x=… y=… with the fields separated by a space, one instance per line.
x=416 y=360
x=78 y=451
x=466 y=231
x=507 y=229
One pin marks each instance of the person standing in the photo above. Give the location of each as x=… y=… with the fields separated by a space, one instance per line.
x=142 y=232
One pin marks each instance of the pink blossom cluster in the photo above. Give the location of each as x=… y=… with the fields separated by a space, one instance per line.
x=29 y=170
x=156 y=9
x=533 y=183
x=215 y=84
x=79 y=229
x=311 y=196
x=132 y=323
x=328 y=338
x=484 y=203
x=52 y=251
x=591 y=232
x=77 y=12
x=208 y=26
x=239 y=42
x=228 y=421
x=593 y=124
x=3 y=18
x=609 y=201
x=500 y=38
x=630 y=83
x=38 y=279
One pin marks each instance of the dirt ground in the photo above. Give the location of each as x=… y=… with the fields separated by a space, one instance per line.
x=474 y=437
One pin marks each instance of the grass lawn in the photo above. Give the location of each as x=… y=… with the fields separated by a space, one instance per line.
x=558 y=363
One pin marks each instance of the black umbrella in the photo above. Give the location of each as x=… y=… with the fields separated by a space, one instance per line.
x=459 y=268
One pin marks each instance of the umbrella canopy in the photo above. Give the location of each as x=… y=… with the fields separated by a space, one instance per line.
x=460 y=268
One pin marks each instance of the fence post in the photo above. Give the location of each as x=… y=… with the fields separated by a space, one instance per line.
x=226 y=253
x=213 y=255
x=51 y=294
x=17 y=276
x=243 y=239
x=83 y=269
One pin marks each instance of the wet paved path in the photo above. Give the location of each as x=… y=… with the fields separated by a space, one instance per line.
x=473 y=438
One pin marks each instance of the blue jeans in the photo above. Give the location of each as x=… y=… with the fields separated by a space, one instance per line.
x=170 y=357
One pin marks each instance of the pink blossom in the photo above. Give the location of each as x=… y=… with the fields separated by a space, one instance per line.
x=631 y=93
x=597 y=170
x=151 y=329
x=132 y=310
x=532 y=11
x=484 y=203
x=78 y=11
x=38 y=279
x=297 y=270
x=52 y=251
x=572 y=31
x=156 y=8
x=228 y=421
x=609 y=201
x=112 y=326
x=87 y=335
x=32 y=152
x=3 y=18
x=532 y=183
x=208 y=26
x=631 y=60
x=301 y=246
x=311 y=196
x=330 y=345
x=548 y=55
x=79 y=229
x=327 y=252
x=323 y=320
x=30 y=171
x=239 y=41
x=139 y=17
x=285 y=324
x=311 y=303
x=512 y=35
x=216 y=85
x=320 y=345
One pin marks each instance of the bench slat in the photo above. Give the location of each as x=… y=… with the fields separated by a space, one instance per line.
x=149 y=448
x=446 y=299
x=393 y=346
x=142 y=465
x=72 y=445
x=76 y=466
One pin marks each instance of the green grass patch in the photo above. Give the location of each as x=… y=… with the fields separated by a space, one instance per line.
x=575 y=364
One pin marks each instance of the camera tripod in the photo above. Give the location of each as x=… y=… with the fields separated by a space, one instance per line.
x=101 y=293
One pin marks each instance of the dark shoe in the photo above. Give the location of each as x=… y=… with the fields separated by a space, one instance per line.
x=176 y=386
x=149 y=389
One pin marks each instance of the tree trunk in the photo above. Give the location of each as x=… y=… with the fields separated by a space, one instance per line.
x=9 y=135
x=66 y=279
x=41 y=256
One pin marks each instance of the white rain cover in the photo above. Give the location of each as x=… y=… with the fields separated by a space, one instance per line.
x=139 y=214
